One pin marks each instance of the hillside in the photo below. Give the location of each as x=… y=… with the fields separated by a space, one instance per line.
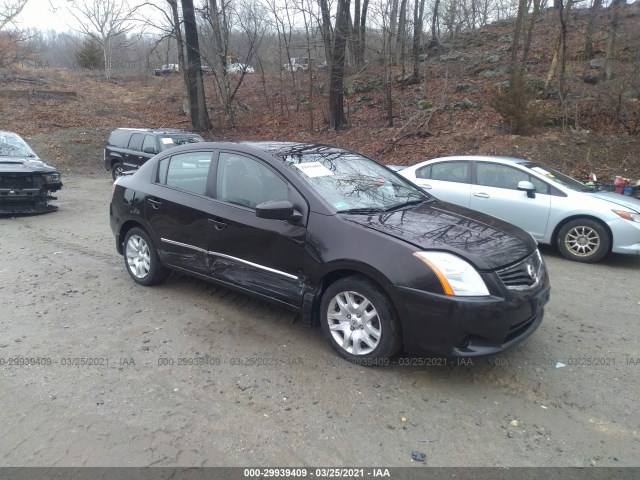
x=68 y=114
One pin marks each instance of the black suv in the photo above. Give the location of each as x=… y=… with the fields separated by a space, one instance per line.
x=128 y=148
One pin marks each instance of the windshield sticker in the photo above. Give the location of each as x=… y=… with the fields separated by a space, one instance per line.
x=541 y=171
x=313 y=169
x=167 y=141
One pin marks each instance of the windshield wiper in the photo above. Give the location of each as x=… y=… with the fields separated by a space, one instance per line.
x=408 y=204
x=362 y=211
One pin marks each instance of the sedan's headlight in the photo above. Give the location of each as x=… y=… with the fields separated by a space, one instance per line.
x=456 y=275
x=631 y=216
x=52 y=177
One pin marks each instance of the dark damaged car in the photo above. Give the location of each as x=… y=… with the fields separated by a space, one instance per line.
x=26 y=182
x=344 y=241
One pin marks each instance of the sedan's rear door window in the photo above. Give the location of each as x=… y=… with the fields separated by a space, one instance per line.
x=457 y=171
x=186 y=171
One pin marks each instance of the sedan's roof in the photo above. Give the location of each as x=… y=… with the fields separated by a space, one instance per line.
x=282 y=148
x=483 y=158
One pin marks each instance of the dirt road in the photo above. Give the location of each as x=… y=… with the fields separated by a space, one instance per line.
x=187 y=373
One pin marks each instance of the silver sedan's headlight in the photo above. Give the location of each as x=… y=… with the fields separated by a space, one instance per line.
x=631 y=216
x=457 y=276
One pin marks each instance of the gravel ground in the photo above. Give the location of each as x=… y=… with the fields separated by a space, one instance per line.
x=266 y=390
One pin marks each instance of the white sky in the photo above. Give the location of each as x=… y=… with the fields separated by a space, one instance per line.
x=46 y=15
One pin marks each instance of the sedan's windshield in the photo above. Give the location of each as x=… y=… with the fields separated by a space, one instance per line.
x=170 y=141
x=557 y=177
x=352 y=183
x=11 y=145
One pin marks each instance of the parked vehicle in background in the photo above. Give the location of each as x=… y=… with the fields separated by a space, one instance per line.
x=26 y=182
x=584 y=223
x=128 y=148
x=344 y=241
x=167 y=69
x=298 y=64
x=236 y=68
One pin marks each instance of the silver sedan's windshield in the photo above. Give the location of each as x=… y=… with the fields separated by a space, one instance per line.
x=353 y=183
x=11 y=145
x=557 y=177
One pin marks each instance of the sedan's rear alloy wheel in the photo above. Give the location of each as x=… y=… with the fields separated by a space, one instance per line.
x=583 y=240
x=358 y=320
x=141 y=258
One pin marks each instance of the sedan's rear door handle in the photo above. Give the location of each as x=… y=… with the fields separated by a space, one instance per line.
x=218 y=223
x=481 y=195
x=154 y=203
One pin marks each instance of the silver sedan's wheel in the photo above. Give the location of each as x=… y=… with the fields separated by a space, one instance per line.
x=583 y=240
x=359 y=320
x=354 y=323
x=141 y=258
x=138 y=256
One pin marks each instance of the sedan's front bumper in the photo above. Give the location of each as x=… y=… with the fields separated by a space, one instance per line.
x=626 y=236
x=467 y=327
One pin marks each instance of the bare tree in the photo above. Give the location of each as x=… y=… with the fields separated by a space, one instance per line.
x=611 y=39
x=337 y=120
x=198 y=104
x=596 y=5
x=9 y=10
x=418 y=19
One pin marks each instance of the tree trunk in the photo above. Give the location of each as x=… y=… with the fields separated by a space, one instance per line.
x=326 y=31
x=513 y=64
x=611 y=39
x=199 y=115
x=393 y=25
x=402 y=30
x=418 y=17
x=220 y=59
x=434 y=21
x=186 y=106
x=588 y=38
x=337 y=119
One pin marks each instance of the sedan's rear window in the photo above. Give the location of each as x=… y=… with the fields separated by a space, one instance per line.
x=170 y=141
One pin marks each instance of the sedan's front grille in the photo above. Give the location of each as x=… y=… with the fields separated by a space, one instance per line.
x=19 y=182
x=525 y=274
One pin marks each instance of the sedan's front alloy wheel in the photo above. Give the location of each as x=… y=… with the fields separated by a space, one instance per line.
x=583 y=240
x=358 y=320
x=141 y=258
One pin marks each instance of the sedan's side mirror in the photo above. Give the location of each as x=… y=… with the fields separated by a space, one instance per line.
x=277 y=210
x=150 y=150
x=527 y=187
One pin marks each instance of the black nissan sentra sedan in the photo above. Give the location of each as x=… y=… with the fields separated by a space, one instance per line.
x=341 y=239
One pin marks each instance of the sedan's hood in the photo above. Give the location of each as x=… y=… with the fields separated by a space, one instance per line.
x=23 y=165
x=623 y=200
x=487 y=242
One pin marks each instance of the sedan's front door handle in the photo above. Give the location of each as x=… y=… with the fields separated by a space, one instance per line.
x=481 y=195
x=154 y=203
x=426 y=186
x=218 y=223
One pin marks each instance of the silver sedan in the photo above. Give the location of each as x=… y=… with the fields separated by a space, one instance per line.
x=555 y=209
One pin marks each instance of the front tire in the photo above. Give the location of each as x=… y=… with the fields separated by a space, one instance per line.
x=141 y=258
x=359 y=321
x=583 y=240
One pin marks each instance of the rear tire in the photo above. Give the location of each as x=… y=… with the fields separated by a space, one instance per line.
x=141 y=258
x=583 y=240
x=359 y=321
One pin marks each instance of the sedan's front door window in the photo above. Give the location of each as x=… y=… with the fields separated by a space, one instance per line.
x=504 y=176
x=244 y=181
